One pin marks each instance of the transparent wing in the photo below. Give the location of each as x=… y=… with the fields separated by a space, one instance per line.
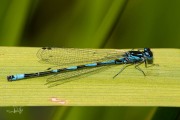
x=74 y=56
x=73 y=75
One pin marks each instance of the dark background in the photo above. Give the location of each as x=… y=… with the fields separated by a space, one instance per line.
x=90 y=23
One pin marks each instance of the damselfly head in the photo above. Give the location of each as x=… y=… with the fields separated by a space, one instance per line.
x=149 y=55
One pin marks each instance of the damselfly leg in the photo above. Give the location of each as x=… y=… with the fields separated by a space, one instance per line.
x=124 y=66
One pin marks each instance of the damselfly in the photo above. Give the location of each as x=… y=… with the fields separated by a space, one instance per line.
x=81 y=61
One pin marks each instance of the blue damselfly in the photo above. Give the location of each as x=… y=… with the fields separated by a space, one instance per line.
x=82 y=61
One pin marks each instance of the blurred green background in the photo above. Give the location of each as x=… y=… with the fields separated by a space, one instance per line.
x=91 y=24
